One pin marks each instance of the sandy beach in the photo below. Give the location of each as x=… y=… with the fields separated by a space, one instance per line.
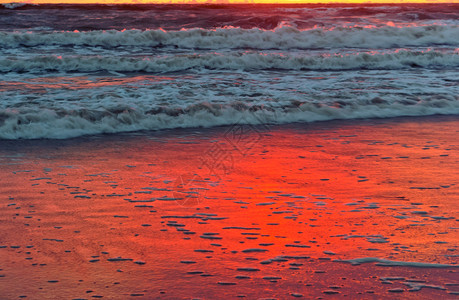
x=361 y=208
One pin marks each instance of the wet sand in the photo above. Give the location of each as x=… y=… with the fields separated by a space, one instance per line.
x=363 y=209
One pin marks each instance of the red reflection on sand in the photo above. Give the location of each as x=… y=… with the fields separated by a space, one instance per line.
x=161 y=214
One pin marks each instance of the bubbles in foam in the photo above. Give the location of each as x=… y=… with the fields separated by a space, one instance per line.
x=285 y=36
x=80 y=107
x=246 y=61
x=259 y=65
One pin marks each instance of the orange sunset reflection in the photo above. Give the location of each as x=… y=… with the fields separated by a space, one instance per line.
x=271 y=206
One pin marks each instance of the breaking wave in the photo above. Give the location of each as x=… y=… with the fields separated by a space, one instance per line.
x=35 y=123
x=233 y=61
x=222 y=65
x=282 y=37
x=13 y=5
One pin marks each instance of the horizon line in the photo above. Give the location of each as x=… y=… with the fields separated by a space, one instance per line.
x=229 y=2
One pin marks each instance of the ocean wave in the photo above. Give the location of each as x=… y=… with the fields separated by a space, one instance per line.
x=211 y=16
x=246 y=61
x=14 y=5
x=282 y=37
x=34 y=123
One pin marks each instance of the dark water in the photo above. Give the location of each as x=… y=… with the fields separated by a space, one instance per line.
x=175 y=17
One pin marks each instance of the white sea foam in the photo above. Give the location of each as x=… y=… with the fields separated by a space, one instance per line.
x=13 y=5
x=61 y=84
x=46 y=123
x=283 y=37
x=74 y=105
x=386 y=262
x=233 y=61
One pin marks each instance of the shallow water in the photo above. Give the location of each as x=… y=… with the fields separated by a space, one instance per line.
x=350 y=208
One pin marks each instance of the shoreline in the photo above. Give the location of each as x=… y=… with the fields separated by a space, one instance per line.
x=218 y=129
